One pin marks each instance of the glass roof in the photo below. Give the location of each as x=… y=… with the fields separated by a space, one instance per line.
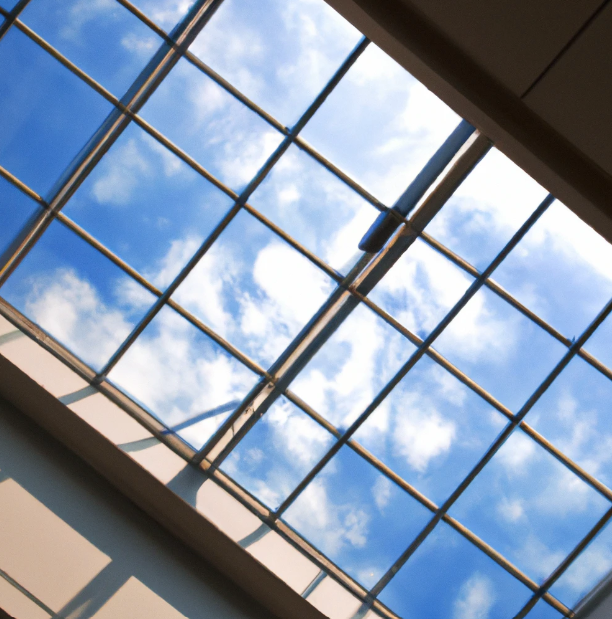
x=416 y=431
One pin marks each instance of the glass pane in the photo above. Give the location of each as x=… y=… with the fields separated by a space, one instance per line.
x=380 y=125
x=357 y=517
x=17 y=213
x=574 y=414
x=102 y=38
x=591 y=566
x=448 y=576
x=279 y=54
x=46 y=113
x=140 y=185
x=165 y=13
x=277 y=453
x=498 y=347
x=217 y=130
x=486 y=210
x=421 y=288
x=561 y=270
x=8 y=4
x=431 y=430
x=600 y=343
x=543 y=610
x=258 y=294
x=315 y=208
x=182 y=375
x=352 y=367
x=78 y=296
x=529 y=507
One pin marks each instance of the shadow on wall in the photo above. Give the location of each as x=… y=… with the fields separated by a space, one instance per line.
x=82 y=550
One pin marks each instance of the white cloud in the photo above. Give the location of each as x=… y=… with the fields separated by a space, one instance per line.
x=120 y=174
x=537 y=558
x=381 y=490
x=421 y=435
x=476 y=599
x=81 y=13
x=166 y=13
x=511 y=510
x=300 y=438
x=143 y=47
x=516 y=454
x=71 y=310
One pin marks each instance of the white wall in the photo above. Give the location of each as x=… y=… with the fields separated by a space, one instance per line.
x=85 y=551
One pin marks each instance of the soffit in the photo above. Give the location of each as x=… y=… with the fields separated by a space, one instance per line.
x=513 y=41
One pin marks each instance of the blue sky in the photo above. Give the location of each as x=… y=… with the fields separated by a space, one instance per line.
x=256 y=291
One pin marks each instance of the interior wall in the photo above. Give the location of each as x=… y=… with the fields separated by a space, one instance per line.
x=85 y=551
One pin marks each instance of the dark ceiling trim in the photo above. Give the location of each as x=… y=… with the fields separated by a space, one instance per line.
x=414 y=41
x=176 y=516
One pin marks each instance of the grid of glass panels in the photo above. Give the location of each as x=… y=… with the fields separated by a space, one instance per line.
x=183 y=190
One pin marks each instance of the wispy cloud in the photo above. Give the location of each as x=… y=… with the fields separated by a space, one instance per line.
x=476 y=599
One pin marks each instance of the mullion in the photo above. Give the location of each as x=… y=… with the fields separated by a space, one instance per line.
x=147 y=82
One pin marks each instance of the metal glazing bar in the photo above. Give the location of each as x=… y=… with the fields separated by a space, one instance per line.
x=470 y=292
x=11 y=16
x=113 y=126
x=368 y=271
x=501 y=439
x=238 y=205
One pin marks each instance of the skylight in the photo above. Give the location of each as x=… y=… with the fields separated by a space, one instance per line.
x=184 y=188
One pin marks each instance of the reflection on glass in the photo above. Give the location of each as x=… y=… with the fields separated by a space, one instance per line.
x=17 y=212
x=279 y=54
x=78 y=296
x=448 y=576
x=591 y=566
x=357 y=517
x=47 y=114
x=254 y=289
x=165 y=13
x=421 y=288
x=352 y=367
x=380 y=125
x=562 y=270
x=140 y=185
x=574 y=414
x=277 y=453
x=431 y=430
x=181 y=375
x=600 y=343
x=543 y=610
x=529 y=507
x=486 y=210
x=214 y=128
x=102 y=38
x=498 y=347
x=315 y=208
